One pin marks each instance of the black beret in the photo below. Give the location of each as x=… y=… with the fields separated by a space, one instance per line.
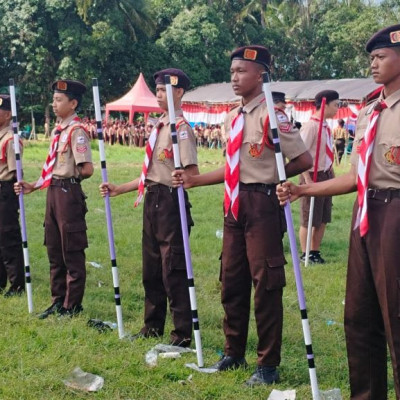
x=178 y=78
x=387 y=37
x=254 y=53
x=68 y=86
x=278 y=97
x=329 y=95
x=5 y=102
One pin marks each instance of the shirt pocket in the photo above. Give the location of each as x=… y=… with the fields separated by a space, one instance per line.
x=254 y=145
x=389 y=153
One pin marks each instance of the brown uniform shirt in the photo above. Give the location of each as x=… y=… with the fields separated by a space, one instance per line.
x=385 y=162
x=309 y=134
x=73 y=149
x=162 y=161
x=257 y=163
x=8 y=164
x=339 y=133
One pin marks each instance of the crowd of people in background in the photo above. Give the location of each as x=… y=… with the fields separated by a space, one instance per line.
x=117 y=131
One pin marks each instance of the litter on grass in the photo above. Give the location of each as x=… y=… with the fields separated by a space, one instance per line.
x=285 y=395
x=165 y=351
x=82 y=380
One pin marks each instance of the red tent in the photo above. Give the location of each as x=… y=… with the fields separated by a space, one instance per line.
x=139 y=99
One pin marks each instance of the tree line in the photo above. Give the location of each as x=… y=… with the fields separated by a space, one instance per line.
x=115 y=40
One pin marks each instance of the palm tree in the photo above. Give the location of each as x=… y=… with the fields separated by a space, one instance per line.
x=134 y=13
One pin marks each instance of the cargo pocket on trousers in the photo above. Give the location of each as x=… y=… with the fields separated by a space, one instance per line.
x=76 y=238
x=275 y=272
x=177 y=258
x=10 y=235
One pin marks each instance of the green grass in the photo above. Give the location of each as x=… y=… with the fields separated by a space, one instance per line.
x=37 y=355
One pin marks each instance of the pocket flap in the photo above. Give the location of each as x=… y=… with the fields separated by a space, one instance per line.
x=76 y=227
x=277 y=261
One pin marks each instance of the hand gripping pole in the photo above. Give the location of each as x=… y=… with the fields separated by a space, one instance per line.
x=110 y=231
x=292 y=240
x=28 y=281
x=184 y=226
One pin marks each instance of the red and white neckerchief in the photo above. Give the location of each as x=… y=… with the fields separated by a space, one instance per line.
x=149 y=153
x=232 y=165
x=47 y=171
x=328 y=146
x=364 y=165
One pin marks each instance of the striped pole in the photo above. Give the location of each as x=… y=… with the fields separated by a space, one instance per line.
x=110 y=231
x=184 y=226
x=292 y=240
x=28 y=280
x=312 y=201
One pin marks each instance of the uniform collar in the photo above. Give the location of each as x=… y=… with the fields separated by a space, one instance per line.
x=65 y=122
x=390 y=100
x=249 y=107
x=165 y=117
x=4 y=131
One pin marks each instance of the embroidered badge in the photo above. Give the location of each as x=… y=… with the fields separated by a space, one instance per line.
x=81 y=148
x=282 y=117
x=61 y=158
x=255 y=150
x=285 y=127
x=174 y=80
x=80 y=140
x=395 y=37
x=183 y=135
x=62 y=85
x=392 y=156
x=64 y=138
x=250 y=54
x=165 y=154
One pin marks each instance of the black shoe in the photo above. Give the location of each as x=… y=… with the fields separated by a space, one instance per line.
x=303 y=258
x=228 y=362
x=181 y=342
x=14 y=292
x=264 y=376
x=315 y=257
x=70 y=312
x=55 y=307
x=146 y=334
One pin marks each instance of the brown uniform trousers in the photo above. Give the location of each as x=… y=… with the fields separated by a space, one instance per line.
x=11 y=256
x=66 y=239
x=253 y=254
x=372 y=310
x=164 y=267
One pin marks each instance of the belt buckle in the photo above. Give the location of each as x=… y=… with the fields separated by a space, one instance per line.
x=373 y=191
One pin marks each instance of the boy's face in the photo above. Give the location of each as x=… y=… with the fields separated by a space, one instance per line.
x=385 y=65
x=161 y=94
x=63 y=106
x=246 y=78
x=331 y=109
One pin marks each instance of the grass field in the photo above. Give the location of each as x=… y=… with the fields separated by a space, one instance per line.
x=37 y=355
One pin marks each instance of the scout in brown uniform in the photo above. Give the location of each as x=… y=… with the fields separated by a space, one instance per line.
x=252 y=249
x=372 y=294
x=11 y=256
x=322 y=205
x=65 y=226
x=164 y=270
x=340 y=136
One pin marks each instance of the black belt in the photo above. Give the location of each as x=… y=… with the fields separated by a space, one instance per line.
x=64 y=181
x=257 y=187
x=385 y=195
x=158 y=187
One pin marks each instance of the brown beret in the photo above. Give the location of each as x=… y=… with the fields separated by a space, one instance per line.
x=386 y=37
x=254 y=53
x=278 y=97
x=5 y=102
x=329 y=95
x=178 y=78
x=68 y=86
